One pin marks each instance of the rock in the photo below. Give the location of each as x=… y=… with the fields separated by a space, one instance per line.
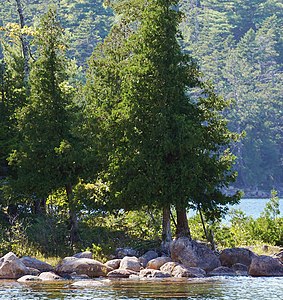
x=90 y=267
x=193 y=254
x=29 y=278
x=191 y=272
x=36 y=264
x=153 y=273
x=130 y=263
x=32 y=271
x=11 y=267
x=113 y=263
x=169 y=267
x=222 y=271
x=240 y=269
x=178 y=270
x=49 y=276
x=85 y=254
x=229 y=257
x=265 y=266
x=121 y=273
x=156 y=263
x=149 y=255
x=122 y=252
x=279 y=256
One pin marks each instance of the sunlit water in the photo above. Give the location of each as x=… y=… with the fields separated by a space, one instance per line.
x=220 y=288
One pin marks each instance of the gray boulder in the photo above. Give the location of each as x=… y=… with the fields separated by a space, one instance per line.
x=153 y=273
x=29 y=278
x=240 y=269
x=49 y=276
x=149 y=255
x=177 y=270
x=231 y=256
x=265 y=266
x=11 y=267
x=34 y=263
x=193 y=254
x=190 y=272
x=90 y=267
x=113 y=263
x=158 y=262
x=130 y=263
x=121 y=273
x=169 y=267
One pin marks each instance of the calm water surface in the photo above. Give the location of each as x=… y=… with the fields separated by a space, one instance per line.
x=230 y=288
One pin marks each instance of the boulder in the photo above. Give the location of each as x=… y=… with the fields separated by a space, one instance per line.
x=32 y=271
x=193 y=254
x=130 y=263
x=190 y=272
x=113 y=263
x=265 y=266
x=90 y=267
x=34 y=263
x=85 y=254
x=121 y=273
x=149 y=255
x=153 y=273
x=222 y=271
x=11 y=267
x=122 y=252
x=240 y=269
x=29 y=278
x=279 y=256
x=49 y=276
x=169 y=267
x=156 y=263
x=231 y=256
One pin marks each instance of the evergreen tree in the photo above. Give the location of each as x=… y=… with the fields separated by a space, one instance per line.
x=157 y=137
x=45 y=158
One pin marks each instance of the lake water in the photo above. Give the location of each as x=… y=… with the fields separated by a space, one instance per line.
x=254 y=207
x=220 y=288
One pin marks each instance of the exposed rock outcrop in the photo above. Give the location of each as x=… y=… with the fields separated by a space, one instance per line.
x=90 y=267
x=193 y=254
x=36 y=264
x=265 y=266
x=231 y=256
x=11 y=267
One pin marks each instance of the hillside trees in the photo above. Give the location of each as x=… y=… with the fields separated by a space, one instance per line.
x=159 y=142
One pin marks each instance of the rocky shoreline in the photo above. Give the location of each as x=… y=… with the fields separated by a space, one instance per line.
x=189 y=259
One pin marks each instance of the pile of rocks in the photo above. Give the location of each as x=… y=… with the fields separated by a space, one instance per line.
x=188 y=259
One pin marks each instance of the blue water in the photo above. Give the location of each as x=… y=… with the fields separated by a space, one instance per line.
x=254 y=207
x=220 y=288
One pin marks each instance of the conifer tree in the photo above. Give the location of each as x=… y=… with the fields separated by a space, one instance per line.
x=160 y=142
x=45 y=158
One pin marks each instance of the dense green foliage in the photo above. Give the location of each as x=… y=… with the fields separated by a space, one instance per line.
x=141 y=127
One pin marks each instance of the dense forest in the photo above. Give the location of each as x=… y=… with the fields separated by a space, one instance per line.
x=109 y=107
x=238 y=46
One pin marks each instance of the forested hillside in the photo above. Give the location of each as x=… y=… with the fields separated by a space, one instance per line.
x=238 y=46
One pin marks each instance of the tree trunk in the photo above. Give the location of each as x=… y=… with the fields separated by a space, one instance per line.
x=74 y=230
x=40 y=207
x=166 y=230
x=182 y=229
x=24 y=41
